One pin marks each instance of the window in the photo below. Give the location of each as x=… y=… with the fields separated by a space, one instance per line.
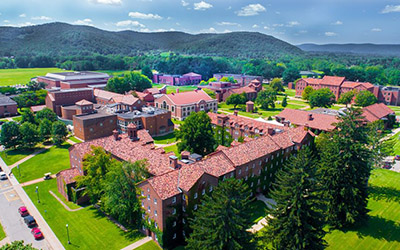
x=142 y=204
x=240 y=171
x=174 y=224
x=245 y=178
x=195 y=195
x=148 y=190
x=232 y=175
x=174 y=237
x=101 y=124
x=155 y=201
x=148 y=209
x=251 y=185
x=148 y=197
x=184 y=197
x=143 y=216
x=183 y=221
x=183 y=208
x=195 y=206
x=252 y=174
x=259 y=164
x=203 y=192
x=266 y=159
x=247 y=168
x=174 y=211
x=155 y=212
x=174 y=200
x=211 y=188
x=142 y=193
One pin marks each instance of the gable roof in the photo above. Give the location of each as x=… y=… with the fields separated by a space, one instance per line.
x=5 y=101
x=107 y=95
x=376 y=112
x=83 y=102
x=312 y=80
x=191 y=74
x=350 y=84
x=301 y=118
x=189 y=97
x=332 y=80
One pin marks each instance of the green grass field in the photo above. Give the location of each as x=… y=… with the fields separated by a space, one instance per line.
x=151 y=245
x=12 y=156
x=290 y=92
x=396 y=109
x=165 y=139
x=51 y=160
x=23 y=76
x=257 y=211
x=2 y=233
x=74 y=139
x=171 y=89
x=382 y=231
x=173 y=148
x=88 y=228
x=396 y=143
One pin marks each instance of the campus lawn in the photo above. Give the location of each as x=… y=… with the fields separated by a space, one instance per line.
x=290 y=92
x=17 y=118
x=51 y=160
x=258 y=210
x=165 y=139
x=175 y=121
x=23 y=76
x=382 y=231
x=396 y=109
x=12 y=156
x=2 y=233
x=396 y=146
x=173 y=148
x=171 y=89
x=151 y=245
x=74 y=139
x=88 y=228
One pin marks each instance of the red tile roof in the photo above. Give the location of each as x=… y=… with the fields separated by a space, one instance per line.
x=376 y=112
x=69 y=175
x=165 y=185
x=191 y=74
x=352 y=85
x=216 y=164
x=301 y=118
x=83 y=102
x=332 y=80
x=312 y=80
x=189 y=97
x=153 y=91
x=107 y=95
x=37 y=108
x=241 y=90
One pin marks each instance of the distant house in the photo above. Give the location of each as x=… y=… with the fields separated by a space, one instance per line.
x=72 y=80
x=184 y=103
x=224 y=89
x=178 y=80
x=242 y=79
x=379 y=111
x=8 y=107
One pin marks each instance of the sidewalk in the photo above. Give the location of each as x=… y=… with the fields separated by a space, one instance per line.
x=29 y=156
x=53 y=176
x=137 y=243
x=50 y=237
x=263 y=222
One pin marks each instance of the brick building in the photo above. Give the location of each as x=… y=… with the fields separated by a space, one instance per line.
x=56 y=99
x=184 y=103
x=224 y=89
x=176 y=187
x=94 y=125
x=8 y=107
x=241 y=79
x=177 y=80
x=71 y=80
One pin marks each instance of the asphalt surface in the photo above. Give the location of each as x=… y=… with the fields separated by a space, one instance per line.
x=10 y=219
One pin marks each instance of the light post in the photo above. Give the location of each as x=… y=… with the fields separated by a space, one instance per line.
x=69 y=242
x=37 y=192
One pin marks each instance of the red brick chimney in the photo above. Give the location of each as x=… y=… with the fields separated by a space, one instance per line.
x=235 y=113
x=173 y=161
x=271 y=131
x=132 y=132
x=115 y=134
x=177 y=90
x=310 y=117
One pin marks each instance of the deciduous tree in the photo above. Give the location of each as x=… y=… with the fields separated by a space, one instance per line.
x=29 y=135
x=321 y=98
x=147 y=72
x=59 y=132
x=365 y=98
x=346 y=98
x=266 y=98
x=45 y=127
x=276 y=84
x=46 y=113
x=10 y=136
x=236 y=99
x=307 y=92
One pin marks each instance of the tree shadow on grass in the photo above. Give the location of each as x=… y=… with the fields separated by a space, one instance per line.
x=384 y=193
x=378 y=228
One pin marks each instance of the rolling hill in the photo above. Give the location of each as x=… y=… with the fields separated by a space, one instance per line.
x=64 y=39
x=366 y=48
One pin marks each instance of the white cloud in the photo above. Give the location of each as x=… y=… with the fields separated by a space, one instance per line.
x=391 y=8
x=6 y=21
x=22 y=15
x=376 y=30
x=255 y=26
x=108 y=2
x=292 y=24
x=278 y=25
x=267 y=28
x=277 y=12
x=209 y=30
x=184 y=3
x=228 y=24
x=156 y=30
x=43 y=18
x=202 y=5
x=251 y=10
x=85 y=21
x=129 y=23
x=144 y=16
x=330 y=33
x=337 y=23
x=18 y=25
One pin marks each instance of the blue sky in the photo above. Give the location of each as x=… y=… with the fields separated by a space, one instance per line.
x=294 y=21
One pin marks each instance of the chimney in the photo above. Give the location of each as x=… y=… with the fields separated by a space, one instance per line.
x=235 y=113
x=177 y=90
x=132 y=132
x=271 y=131
x=115 y=134
x=310 y=117
x=173 y=161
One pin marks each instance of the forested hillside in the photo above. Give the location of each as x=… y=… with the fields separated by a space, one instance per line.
x=61 y=39
x=372 y=49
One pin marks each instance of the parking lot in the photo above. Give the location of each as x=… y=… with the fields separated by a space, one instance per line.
x=10 y=219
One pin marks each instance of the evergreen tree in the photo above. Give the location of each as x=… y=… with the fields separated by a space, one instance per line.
x=10 y=136
x=221 y=222
x=284 y=101
x=196 y=134
x=296 y=222
x=147 y=72
x=345 y=169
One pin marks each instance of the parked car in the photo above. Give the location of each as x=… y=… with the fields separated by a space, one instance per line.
x=47 y=176
x=23 y=211
x=397 y=157
x=37 y=233
x=30 y=221
x=3 y=176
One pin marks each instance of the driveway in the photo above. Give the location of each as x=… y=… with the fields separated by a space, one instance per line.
x=10 y=219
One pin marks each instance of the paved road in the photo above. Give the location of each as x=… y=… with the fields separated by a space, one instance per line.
x=10 y=219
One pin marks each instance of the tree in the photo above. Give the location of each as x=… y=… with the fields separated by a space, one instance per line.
x=307 y=92
x=380 y=149
x=96 y=164
x=196 y=134
x=59 y=132
x=10 y=136
x=29 y=135
x=222 y=137
x=33 y=86
x=46 y=113
x=226 y=79
x=276 y=84
x=17 y=245
x=321 y=98
x=345 y=169
x=266 y=98
x=346 y=97
x=45 y=127
x=117 y=85
x=121 y=196
x=224 y=227
x=290 y=74
x=137 y=81
x=147 y=72
x=284 y=101
x=28 y=116
x=365 y=98
x=236 y=99
x=296 y=222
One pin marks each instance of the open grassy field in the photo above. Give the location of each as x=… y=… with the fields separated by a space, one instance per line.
x=171 y=89
x=151 y=245
x=88 y=228
x=173 y=148
x=396 y=143
x=2 y=233
x=396 y=109
x=12 y=156
x=23 y=76
x=165 y=139
x=74 y=139
x=382 y=231
x=51 y=160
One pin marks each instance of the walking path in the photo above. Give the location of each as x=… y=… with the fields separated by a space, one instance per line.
x=394 y=131
x=4 y=241
x=137 y=243
x=36 y=181
x=165 y=145
x=62 y=203
x=30 y=156
x=263 y=222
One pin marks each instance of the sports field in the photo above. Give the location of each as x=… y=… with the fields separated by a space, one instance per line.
x=23 y=76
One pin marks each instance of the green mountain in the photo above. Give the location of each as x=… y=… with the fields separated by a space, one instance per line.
x=65 y=39
x=366 y=48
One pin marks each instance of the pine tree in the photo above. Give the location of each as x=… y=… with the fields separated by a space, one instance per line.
x=222 y=220
x=345 y=169
x=296 y=222
x=284 y=101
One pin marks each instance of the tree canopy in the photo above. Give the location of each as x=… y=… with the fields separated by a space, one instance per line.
x=321 y=98
x=59 y=132
x=236 y=99
x=266 y=98
x=131 y=81
x=276 y=84
x=346 y=98
x=365 y=98
x=307 y=92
